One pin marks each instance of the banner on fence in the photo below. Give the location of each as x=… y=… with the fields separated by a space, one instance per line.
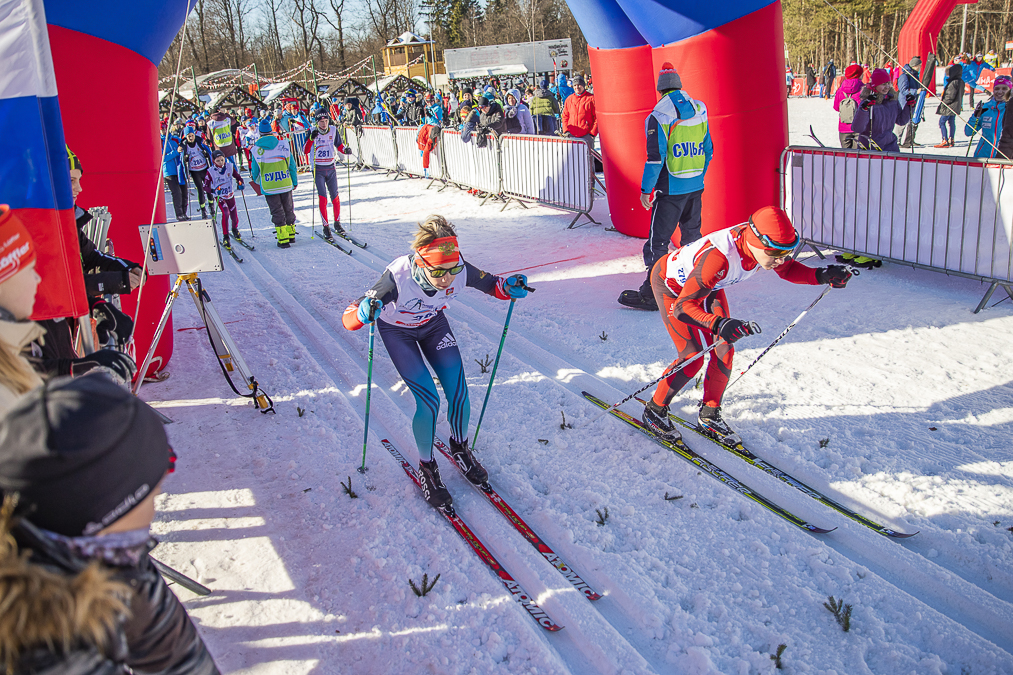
x=557 y=171
x=947 y=214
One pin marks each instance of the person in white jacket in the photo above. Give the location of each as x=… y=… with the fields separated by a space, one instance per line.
x=518 y=117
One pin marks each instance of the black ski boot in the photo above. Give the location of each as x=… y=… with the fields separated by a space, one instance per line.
x=655 y=418
x=433 y=489
x=327 y=232
x=711 y=422
x=235 y=233
x=471 y=467
x=337 y=228
x=226 y=243
x=203 y=212
x=637 y=300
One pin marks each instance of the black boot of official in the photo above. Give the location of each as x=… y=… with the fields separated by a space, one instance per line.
x=471 y=467
x=655 y=418
x=433 y=489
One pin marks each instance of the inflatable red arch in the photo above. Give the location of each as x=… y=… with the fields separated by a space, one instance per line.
x=105 y=55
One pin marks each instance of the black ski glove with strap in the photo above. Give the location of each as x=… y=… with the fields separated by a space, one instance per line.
x=731 y=330
x=835 y=275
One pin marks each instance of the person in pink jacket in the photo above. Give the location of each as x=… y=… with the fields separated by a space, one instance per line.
x=850 y=88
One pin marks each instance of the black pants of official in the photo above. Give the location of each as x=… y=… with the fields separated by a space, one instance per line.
x=669 y=212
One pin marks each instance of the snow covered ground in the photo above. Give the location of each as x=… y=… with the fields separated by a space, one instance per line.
x=907 y=389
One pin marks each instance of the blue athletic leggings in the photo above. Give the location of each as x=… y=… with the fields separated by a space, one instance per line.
x=436 y=343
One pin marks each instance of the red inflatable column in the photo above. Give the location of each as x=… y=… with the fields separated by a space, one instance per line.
x=624 y=84
x=738 y=70
x=108 y=97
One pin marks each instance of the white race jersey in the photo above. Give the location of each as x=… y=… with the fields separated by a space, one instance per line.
x=413 y=307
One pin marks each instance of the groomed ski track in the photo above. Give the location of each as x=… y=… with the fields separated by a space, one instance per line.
x=592 y=632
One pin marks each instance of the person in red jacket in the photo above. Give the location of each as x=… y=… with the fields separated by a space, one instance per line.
x=689 y=285
x=579 y=118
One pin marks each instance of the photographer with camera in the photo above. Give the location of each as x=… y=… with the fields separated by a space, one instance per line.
x=879 y=111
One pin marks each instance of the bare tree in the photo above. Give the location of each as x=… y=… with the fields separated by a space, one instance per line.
x=338 y=7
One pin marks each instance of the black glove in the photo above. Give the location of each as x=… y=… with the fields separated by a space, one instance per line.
x=835 y=275
x=111 y=324
x=731 y=330
x=119 y=363
x=314 y=134
x=868 y=102
x=911 y=98
x=346 y=150
x=978 y=109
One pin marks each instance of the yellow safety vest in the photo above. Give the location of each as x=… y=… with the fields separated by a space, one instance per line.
x=275 y=171
x=685 y=157
x=221 y=132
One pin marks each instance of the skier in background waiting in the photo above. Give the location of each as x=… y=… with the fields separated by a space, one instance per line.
x=407 y=303
x=673 y=176
x=218 y=182
x=321 y=143
x=689 y=283
x=198 y=159
x=972 y=71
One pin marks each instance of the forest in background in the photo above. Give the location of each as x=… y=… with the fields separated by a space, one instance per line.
x=279 y=35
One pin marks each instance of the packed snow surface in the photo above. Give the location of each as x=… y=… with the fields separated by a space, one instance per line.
x=890 y=397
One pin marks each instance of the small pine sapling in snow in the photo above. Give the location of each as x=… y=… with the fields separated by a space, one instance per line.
x=602 y=517
x=776 y=656
x=426 y=585
x=824 y=442
x=484 y=365
x=840 y=611
x=301 y=411
x=543 y=441
x=348 y=489
x=604 y=336
x=672 y=498
x=564 y=425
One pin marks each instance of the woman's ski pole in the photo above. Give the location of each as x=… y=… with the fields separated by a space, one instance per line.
x=778 y=338
x=495 y=365
x=369 y=385
x=247 y=209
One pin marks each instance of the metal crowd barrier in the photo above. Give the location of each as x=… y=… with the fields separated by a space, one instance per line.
x=556 y=171
x=409 y=157
x=939 y=213
x=378 y=148
x=469 y=165
x=550 y=170
x=351 y=140
x=297 y=140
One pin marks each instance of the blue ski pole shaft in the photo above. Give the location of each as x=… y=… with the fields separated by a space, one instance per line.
x=369 y=390
x=492 y=378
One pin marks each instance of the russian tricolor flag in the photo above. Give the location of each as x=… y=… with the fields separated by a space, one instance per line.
x=34 y=175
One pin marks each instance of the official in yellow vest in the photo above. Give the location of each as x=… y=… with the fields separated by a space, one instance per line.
x=679 y=149
x=273 y=174
x=222 y=129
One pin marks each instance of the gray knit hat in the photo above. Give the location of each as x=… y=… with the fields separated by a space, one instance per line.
x=668 y=78
x=915 y=61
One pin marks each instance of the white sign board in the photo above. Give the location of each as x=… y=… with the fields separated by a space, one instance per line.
x=535 y=57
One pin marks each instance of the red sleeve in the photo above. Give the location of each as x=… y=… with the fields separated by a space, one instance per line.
x=350 y=318
x=308 y=145
x=796 y=273
x=710 y=268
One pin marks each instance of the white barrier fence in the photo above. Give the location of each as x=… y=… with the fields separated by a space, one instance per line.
x=547 y=169
x=946 y=214
x=469 y=165
x=556 y=171
x=377 y=148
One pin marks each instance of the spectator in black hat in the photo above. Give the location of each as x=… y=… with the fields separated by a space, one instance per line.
x=490 y=119
x=81 y=461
